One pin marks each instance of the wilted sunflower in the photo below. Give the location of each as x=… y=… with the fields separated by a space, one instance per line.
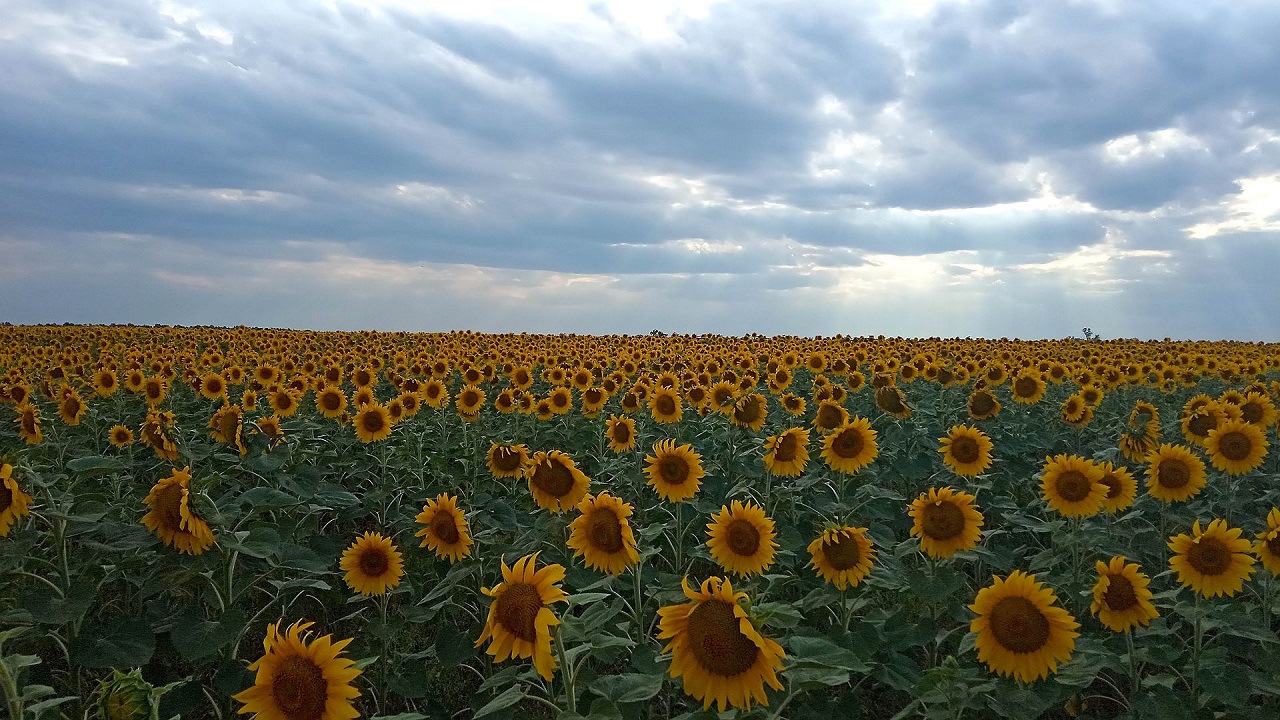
x=850 y=446
x=71 y=408
x=14 y=503
x=982 y=404
x=674 y=472
x=787 y=453
x=520 y=622
x=157 y=433
x=621 y=433
x=28 y=421
x=665 y=405
x=373 y=564
x=270 y=426
x=372 y=423
x=1021 y=631
x=445 y=530
x=842 y=556
x=966 y=450
x=171 y=517
x=749 y=411
x=506 y=461
x=891 y=401
x=301 y=679
x=946 y=522
x=1121 y=599
x=830 y=416
x=331 y=401
x=716 y=649
x=1072 y=486
x=1213 y=561
x=1137 y=446
x=227 y=427
x=601 y=534
x=1267 y=546
x=120 y=436
x=740 y=538
x=555 y=481
x=1174 y=473
x=1121 y=486
x=1237 y=447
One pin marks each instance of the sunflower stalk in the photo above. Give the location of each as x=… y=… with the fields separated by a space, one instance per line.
x=567 y=672
x=1134 y=678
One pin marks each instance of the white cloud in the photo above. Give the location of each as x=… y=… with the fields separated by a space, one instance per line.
x=1256 y=208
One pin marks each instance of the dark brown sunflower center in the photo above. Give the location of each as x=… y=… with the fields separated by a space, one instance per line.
x=331 y=401
x=299 y=689
x=6 y=497
x=889 y=400
x=121 y=436
x=1235 y=445
x=1173 y=473
x=1120 y=594
x=374 y=562
x=942 y=520
x=1209 y=556
x=1073 y=486
x=1018 y=625
x=743 y=538
x=1201 y=424
x=786 y=448
x=1252 y=413
x=621 y=433
x=748 y=412
x=372 y=422
x=169 y=505
x=445 y=527
x=843 y=552
x=673 y=469
x=517 y=608
x=1273 y=543
x=964 y=449
x=981 y=404
x=717 y=642
x=829 y=417
x=506 y=459
x=1025 y=387
x=1112 y=483
x=848 y=444
x=470 y=398
x=561 y=400
x=665 y=405
x=553 y=478
x=605 y=530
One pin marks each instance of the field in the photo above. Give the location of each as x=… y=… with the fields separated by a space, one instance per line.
x=319 y=526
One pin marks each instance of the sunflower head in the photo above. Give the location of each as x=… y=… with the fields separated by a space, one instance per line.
x=555 y=481
x=674 y=471
x=1072 y=485
x=171 y=517
x=14 y=503
x=1121 y=487
x=1174 y=473
x=1267 y=544
x=966 y=450
x=1121 y=599
x=946 y=521
x=982 y=404
x=506 y=461
x=620 y=431
x=665 y=405
x=850 y=446
x=830 y=416
x=445 y=530
x=740 y=538
x=372 y=423
x=300 y=678
x=120 y=436
x=1020 y=629
x=1212 y=561
x=749 y=411
x=842 y=556
x=373 y=565
x=1237 y=447
x=787 y=453
x=602 y=536
x=520 y=619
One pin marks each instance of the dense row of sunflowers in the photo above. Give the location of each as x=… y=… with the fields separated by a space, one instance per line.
x=992 y=470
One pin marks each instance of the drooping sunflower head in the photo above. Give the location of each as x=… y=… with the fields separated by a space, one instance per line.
x=1121 y=598
x=1072 y=485
x=787 y=453
x=620 y=431
x=506 y=461
x=171 y=517
x=555 y=481
x=445 y=530
x=947 y=521
x=372 y=563
x=602 y=536
x=674 y=471
x=850 y=446
x=1021 y=631
x=1237 y=447
x=740 y=538
x=1174 y=473
x=830 y=415
x=520 y=621
x=1122 y=488
x=372 y=423
x=1213 y=561
x=14 y=503
x=842 y=556
x=966 y=450
x=301 y=679
x=891 y=401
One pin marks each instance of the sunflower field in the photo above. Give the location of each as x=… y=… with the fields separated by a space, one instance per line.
x=290 y=525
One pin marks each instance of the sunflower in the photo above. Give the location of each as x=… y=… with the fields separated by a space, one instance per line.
x=555 y=481
x=154 y=391
x=561 y=400
x=593 y=400
x=1137 y=446
x=301 y=679
x=842 y=556
x=1072 y=485
x=621 y=433
x=506 y=461
x=787 y=452
x=716 y=649
x=723 y=396
x=445 y=530
x=1021 y=631
x=1174 y=473
x=1075 y=412
x=1267 y=546
x=227 y=427
x=1203 y=419
x=120 y=436
x=850 y=446
x=602 y=535
x=157 y=433
x=331 y=402
x=946 y=522
x=891 y=401
x=172 y=518
x=1121 y=486
x=519 y=622
x=270 y=426
x=105 y=383
x=749 y=411
x=213 y=386
x=1027 y=388
x=1213 y=561
x=1236 y=447
x=372 y=423
x=830 y=416
x=71 y=408
x=1121 y=600
x=982 y=404
x=470 y=401
x=674 y=472
x=373 y=564
x=665 y=405
x=434 y=393
x=966 y=450
x=1258 y=409
x=740 y=538
x=14 y=503
x=793 y=404
x=28 y=421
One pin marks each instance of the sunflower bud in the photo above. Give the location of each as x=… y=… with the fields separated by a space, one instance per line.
x=126 y=696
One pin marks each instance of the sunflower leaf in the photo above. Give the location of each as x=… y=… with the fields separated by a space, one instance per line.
x=628 y=687
x=504 y=700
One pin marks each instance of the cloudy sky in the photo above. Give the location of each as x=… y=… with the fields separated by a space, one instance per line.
x=994 y=168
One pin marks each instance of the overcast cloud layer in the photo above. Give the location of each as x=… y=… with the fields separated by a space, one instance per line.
x=999 y=168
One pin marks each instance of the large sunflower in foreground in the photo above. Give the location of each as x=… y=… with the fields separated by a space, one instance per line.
x=1121 y=487
x=1267 y=546
x=787 y=453
x=506 y=461
x=555 y=481
x=850 y=446
x=1072 y=486
x=1236 y=447
x=373 y=564
x=740 y=538
x=674 y=471
x=966 y=450
x=1021 y=630
x=520 y=622
x=1213 y=561
x=842 y=556
x=1174 y=473
x=172 y=518
x=602 y=535
x=372 y=422
x=445 y=530
x=301 y=679
x=621 y=433
x=946 y=521
x=1121 y=598
x=14 y=503
x=717 y=651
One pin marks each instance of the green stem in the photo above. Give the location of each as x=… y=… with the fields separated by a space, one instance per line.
x=1195 y=653
x=12 y=697
x=1133 y=664
x=383 y=662
x=638 y=608
x=679 y=568
x=570 y=695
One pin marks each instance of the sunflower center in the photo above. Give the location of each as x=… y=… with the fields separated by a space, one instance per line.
x=1173 y=473
x=981 y=404
x=445 y=528
x=372 y=422
x=621 y=433
x=169 y=505
x=506 y=459
x=1235 y=445
x=605 y=530
x=843 y=552
x=6 y=497
x=1251 y=412
x=743 y=538
x=1201 y=424
x=1018 y=625
x=829 y=417
x=470 y=398
x=373 y=562
x=332 y=401
x=1025 y=387
x=889 y=400
x=1209 y=556
x=785 y=449
x=848 y=444
x=1073 y=486
x=717 y=641
x=553 y=478
x=674 y=470
x=1273 y=542
x=299 y=689
x=665 y=405
x=943 y=520
x=1120 y=594
x=964 y=449
x=748 y=412
x=1112 y=483
x=517 y=609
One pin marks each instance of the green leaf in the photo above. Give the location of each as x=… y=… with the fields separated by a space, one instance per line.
x=824 y=653
x=506 y=699
x=453 y=647
x=95 y=465
x=120 y=643
x=265 y=498
x=816 y=676
x=194 y=637
x=628 y=688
